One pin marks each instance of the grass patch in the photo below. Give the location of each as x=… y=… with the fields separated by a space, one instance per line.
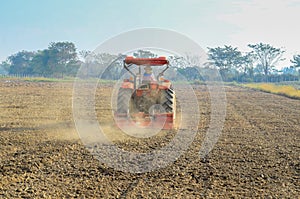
x=295 y=84
x=65 y=79
x=45 y=79
x=285 y=90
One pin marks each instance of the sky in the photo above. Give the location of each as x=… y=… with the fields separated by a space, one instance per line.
x=32 y=24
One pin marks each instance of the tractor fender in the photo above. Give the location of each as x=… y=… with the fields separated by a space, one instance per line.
x=127 y=84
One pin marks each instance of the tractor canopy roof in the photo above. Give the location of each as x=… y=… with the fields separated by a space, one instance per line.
x=159 y=61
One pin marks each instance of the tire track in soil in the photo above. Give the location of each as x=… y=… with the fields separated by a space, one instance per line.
x=263 y=110
x=277 y=132
x=206 y=175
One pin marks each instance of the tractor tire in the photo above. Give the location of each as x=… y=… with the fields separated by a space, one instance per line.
x=124 y=100
x=168 y=100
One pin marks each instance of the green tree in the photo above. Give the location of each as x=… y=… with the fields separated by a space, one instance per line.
x=107 y=65
x=190 y=73
x=228 y=59
x=20 y=63
x=246 y=66
x=183 y=67
x=267 y=56
x=87 y=62
x=111 y=65
x=40 y=63
x=296 y=62
x=4 y=68
x=62 y=57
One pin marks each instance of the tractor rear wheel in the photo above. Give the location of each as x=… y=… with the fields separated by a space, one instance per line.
x=124 y=100
x=168 y=101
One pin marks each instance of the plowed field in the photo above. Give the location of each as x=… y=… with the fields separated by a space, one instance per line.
x=41 y=156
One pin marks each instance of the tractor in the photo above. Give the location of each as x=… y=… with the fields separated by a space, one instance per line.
x=146 y=100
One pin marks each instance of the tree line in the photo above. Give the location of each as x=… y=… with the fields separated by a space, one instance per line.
x=62 y=59
x=259 y=64
x=58 y=60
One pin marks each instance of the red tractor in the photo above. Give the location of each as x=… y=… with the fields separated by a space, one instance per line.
x=146 y=100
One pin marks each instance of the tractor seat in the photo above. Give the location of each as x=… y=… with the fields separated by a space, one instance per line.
x=146 y=82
